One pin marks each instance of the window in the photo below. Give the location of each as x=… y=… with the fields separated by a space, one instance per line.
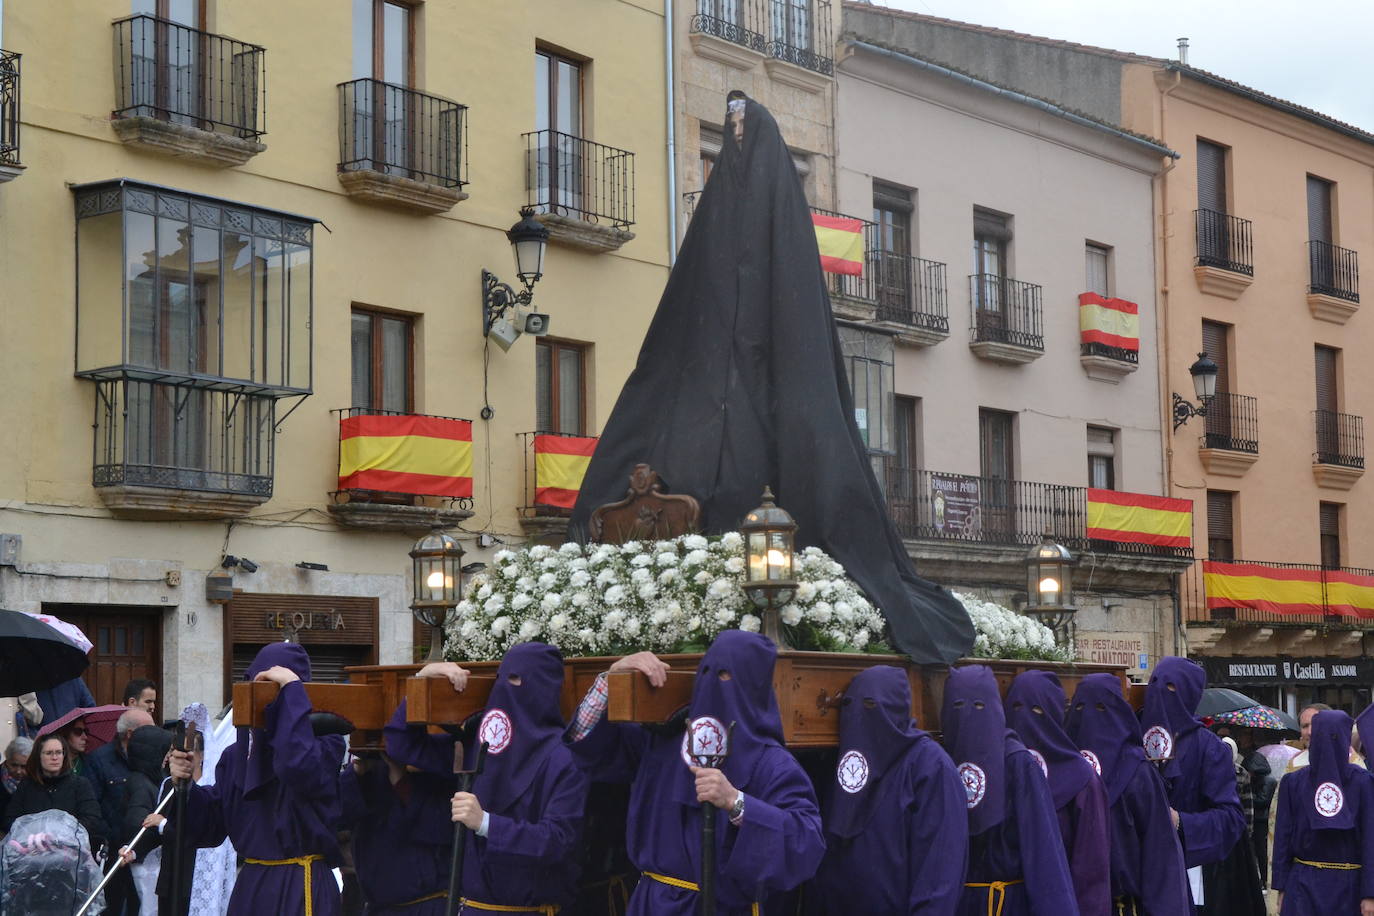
x=384 y=42
x=1319 y=194
x=166 y=61
x=1223 y=425
x=870 y=380
x=384 y=111
x=1329 y=520
x=1328 y=418
x=1211 y=176
x=906 y=446
x=1101 y=457
x=991 y=244
x=383 y=361
x=996 y=446
x=892 y=215
x=792 y=23
x=1221 y=538
x=560 y=387
x=1097 y=263
x=557 y=93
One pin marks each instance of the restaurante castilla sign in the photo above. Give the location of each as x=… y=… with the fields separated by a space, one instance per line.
x=1289 y=670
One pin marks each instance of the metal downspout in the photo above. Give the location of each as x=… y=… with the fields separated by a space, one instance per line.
x=1162 y=331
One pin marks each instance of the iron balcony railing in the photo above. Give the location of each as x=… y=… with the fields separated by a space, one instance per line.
x=185 y=76
x=180 y=437
x=1223 y=241
x=961 y=507
x=742 y=22
x=800 y=34
x=1340 y=438
x=1232 y=423
x=1006 y=311
x=398 y=131
x=1193 y=596
x=1335 y=271
x=9 y=108
x=574 y=177
x=909 y=290
x=1121 y=354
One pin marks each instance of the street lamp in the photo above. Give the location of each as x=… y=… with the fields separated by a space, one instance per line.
x=768 y=538
x=528 y=240
x=1049 y=583
x=1204 y=373
x=436 y=565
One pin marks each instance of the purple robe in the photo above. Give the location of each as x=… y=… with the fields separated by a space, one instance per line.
x=1199 y=772
x=1325 y=814
x=1014 y=830
x=533 y=790
x=1035 y=711
x=276 y=796
x=896 y=822
x=777 y=846
x=1147 y=870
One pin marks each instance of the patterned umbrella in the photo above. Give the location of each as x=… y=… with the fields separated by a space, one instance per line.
x=1258 y=717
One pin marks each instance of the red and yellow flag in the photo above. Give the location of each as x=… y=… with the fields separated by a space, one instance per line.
x=1110 y=322
x=560 y=463
x=427 y=456
x=1135 y=518
x=841 y=241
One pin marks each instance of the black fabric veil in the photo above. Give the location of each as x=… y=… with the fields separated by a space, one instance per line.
x=740 y=383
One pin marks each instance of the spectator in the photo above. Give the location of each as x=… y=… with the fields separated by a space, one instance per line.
x=148 y=747
x=16 y=757
x=107 y=768
x=74 y=734
x=50 y=783
x=142 y=693
x=57 y=701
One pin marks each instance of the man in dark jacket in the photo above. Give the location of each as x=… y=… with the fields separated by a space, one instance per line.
x=107 y=767
x=147 y=751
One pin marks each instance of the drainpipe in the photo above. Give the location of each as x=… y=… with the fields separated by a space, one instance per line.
x=672 y=130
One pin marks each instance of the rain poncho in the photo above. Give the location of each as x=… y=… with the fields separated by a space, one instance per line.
x=46 y=867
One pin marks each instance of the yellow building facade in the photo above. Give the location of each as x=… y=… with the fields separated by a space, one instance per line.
x=228 y=225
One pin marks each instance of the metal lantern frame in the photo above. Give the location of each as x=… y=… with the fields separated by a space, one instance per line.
x=1050 y=561
x=769 y=543
x=1204 y=372
x=437 y=571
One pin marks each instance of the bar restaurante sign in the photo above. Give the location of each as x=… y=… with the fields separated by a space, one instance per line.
x=1351 y=671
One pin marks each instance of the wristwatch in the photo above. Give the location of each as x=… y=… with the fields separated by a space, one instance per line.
x=737 y=809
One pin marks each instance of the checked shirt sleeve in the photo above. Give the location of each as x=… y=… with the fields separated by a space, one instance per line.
x=590 y=710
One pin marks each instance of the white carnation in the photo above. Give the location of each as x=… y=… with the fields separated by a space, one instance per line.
x=734 y=565
x=732 y=539
x=539 y=551
x=750 y=623
x=500 y=626
x=547 y=580
x=558 y=623
x=724 y=616
x=666 y=559
x=667 y=576
x=580 y=599
x=484 y=592
x=615 y=594
x=806 y=591
x=641 y=560
x=503 y=555
x=822 y=612
x=570 y=549
x=529 y=629
x=648 y=591
x=791 y=615
x=641 y=575
x=695 y=558
x=580 y=578
x=694 y=542
x=551 y=600
x=521 y=601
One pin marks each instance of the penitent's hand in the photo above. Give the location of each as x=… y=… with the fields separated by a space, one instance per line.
x=1367 y=906
x=466 y=810
x=153 y=821
x=457 y=676
x=713 y=787
x=278 y=675
x=647 y=663
x=180 y=765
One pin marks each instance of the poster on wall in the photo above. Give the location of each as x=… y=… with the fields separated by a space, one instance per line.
x=955 y=506
x=1128 y=650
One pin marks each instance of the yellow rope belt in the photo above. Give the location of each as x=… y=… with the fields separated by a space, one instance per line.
x=304 y=863
x=690 y=886
x=997 y=893
x=1338 y=866
x=1125 y=906
x=548 y=909
x=437 y=895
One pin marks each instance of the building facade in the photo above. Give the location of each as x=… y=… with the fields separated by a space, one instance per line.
x=220 y=302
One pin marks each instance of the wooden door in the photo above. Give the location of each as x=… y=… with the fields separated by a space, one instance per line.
x=128 y=644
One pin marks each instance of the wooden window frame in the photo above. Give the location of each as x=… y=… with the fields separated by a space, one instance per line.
x=556 y=56
x=1091 y=247
x=377 y=369
x=379 y=39
x=1107 y=450
x=555 y=347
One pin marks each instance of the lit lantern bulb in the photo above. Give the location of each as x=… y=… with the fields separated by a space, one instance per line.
x=1049 y=585
x=436 y=579
x=775 y=558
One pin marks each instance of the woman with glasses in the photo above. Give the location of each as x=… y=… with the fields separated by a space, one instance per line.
x=50 y=784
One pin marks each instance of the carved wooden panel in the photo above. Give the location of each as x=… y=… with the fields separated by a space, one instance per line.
x=646 y=513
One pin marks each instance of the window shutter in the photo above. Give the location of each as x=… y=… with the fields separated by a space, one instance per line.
x=995 y=435
x=1215 y=340
x=1221 y=525
x=989 y=225
x=1327 y=394
x=362 y=360
x=1211 y=176
x=543 y=388
x=1318 y=210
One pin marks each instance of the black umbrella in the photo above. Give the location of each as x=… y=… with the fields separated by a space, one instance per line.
x=34 y=656
x=1217 y=700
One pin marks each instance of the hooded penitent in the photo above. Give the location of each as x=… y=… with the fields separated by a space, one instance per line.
x=876 y=730
x=1170 y=704
x=257 y=768
x=741 y=383
x=1102 y=724
x=976 y=739
x=1035 y=711
x=1332 y=805
x=522 y=723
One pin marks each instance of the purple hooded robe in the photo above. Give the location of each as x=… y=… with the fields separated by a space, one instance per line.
x=777 y=846
x=1326 y=815
x=530 y=786
x=1014 y=837
x=1198 y=770
x=896 y=820
x=1148 y=877
x=276 y=796
x=1035 y=711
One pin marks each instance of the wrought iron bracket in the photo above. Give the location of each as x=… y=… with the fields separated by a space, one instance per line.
x=499 y=298
x=1184 y=409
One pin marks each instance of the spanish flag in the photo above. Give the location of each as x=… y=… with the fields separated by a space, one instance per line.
x=1263 y=588
x=1110 y=322
x=1134 y=518
x=427 y=456
x=841 y=241
x=560 y=463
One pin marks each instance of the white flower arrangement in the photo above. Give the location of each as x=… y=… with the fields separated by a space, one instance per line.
x=664 y=596
x=1003 y=633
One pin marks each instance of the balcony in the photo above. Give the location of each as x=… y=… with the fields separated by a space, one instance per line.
x=1339 y=458
x=173 y=450
x=554 y=465
x=401 y=471
x=1230 y=438
x=800 y=45
x=731 y=32
x=1006 y=319
x=402 y=148
x=584 y=191
x=188 y=94
x=10 y=167
x=1109 y=337
x=910 y=293
x=1224 y=265
x=1334 y=291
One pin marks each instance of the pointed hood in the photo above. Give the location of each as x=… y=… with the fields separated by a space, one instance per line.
x=1170 y=705
x=522 y=724
x=741 y=382
x=257 y=770
x=1105 y=729
x=976 y=739
x=1035 y=711
x=876 y=731
x=1333 y=803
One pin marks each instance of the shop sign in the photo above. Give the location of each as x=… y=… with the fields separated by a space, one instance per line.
x=1336 y=671
x=1126 y=650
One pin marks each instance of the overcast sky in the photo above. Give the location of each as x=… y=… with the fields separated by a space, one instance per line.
x=1317 y=53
